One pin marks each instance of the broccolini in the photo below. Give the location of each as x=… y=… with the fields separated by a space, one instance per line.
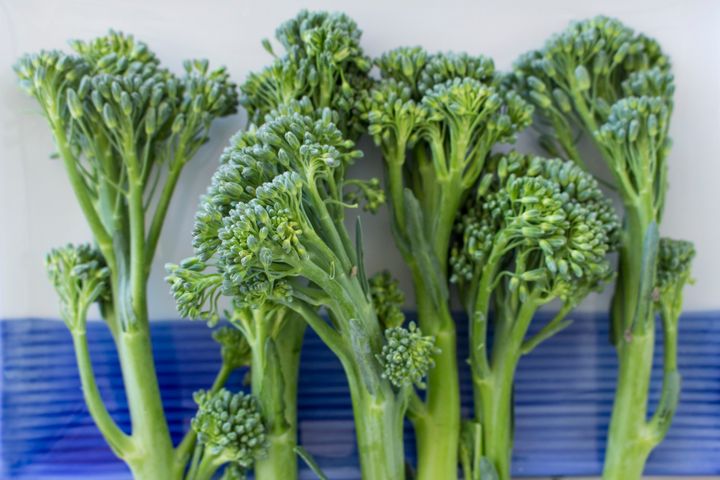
x=602 y=78
x=124 y=127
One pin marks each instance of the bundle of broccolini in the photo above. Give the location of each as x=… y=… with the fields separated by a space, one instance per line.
x=124 y=127
x=601 y=78
x=272 y=252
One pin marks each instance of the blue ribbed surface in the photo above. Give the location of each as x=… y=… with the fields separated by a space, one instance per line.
x=563 y=400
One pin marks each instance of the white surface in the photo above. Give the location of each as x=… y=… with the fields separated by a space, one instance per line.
x=38 y=211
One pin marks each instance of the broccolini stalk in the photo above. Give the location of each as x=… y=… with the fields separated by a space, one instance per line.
x=323 y=67
x=602 y=78
x=436 y=118
x=283 y=243
x=272 y=332
x=124 y=128
x=536 y=230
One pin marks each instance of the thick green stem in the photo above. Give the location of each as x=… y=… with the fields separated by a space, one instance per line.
x=496 y=405
x=379 y=431
x=153 y=456
x=629 y=439
x=437 y=432
x=281 y=459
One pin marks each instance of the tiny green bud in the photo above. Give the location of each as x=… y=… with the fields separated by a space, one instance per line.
x=582 y=77
x=178 y=124
x=74 y=105
x=109 y=116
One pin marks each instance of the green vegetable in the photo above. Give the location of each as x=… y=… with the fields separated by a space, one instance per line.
x=616 y=86
x=323 y=67
x=436 y=118
x=124 y=128
x=537 y=230
x=283 y=242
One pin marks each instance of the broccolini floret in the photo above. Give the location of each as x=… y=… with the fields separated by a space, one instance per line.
x=229 y=429
x=323 y=62
x=80 y=278
x=536 y=230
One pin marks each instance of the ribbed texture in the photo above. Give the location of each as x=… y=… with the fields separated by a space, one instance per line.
x=563 y=400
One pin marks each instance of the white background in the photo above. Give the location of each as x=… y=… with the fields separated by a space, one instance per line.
x=37 y=208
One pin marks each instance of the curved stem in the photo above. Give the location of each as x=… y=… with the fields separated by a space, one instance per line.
x=160 y=213
x=99 y=232
x=119 y=441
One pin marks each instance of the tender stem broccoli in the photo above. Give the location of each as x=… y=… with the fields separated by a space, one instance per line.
x=323 y=67
x=601 y=78
x=277 y=237
x=436 y=117
x=230 y=430
x=124 y=128
x=536 y=230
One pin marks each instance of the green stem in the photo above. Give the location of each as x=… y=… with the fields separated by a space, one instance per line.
x=96 y=226
x=379 y=431
x=497 y=414
x=160 y=214
x=207 y=467
x=119 y=442
x=153 y=457
x=438 y=431
x=494 y=389
x=281 y=459
x=629 y=439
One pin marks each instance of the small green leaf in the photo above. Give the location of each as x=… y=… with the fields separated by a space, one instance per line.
x=268 y=46
x=362 y=276
x=487 y=470
x=424 y=255
x=364 y=355
x=651 y=243
x=273 y=385
x=310 y=462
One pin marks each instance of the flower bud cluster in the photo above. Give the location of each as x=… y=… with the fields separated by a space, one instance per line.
x=387 y=299
x=234 y=347
x=407 y=356
x=80 y=277
x=439 y=99
x=673 y=265
x=262 y=239
x=113 y=91
x=544 y=220
x=195 y=291
x=323 y=62
x=229 y=426
x=581 y=73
